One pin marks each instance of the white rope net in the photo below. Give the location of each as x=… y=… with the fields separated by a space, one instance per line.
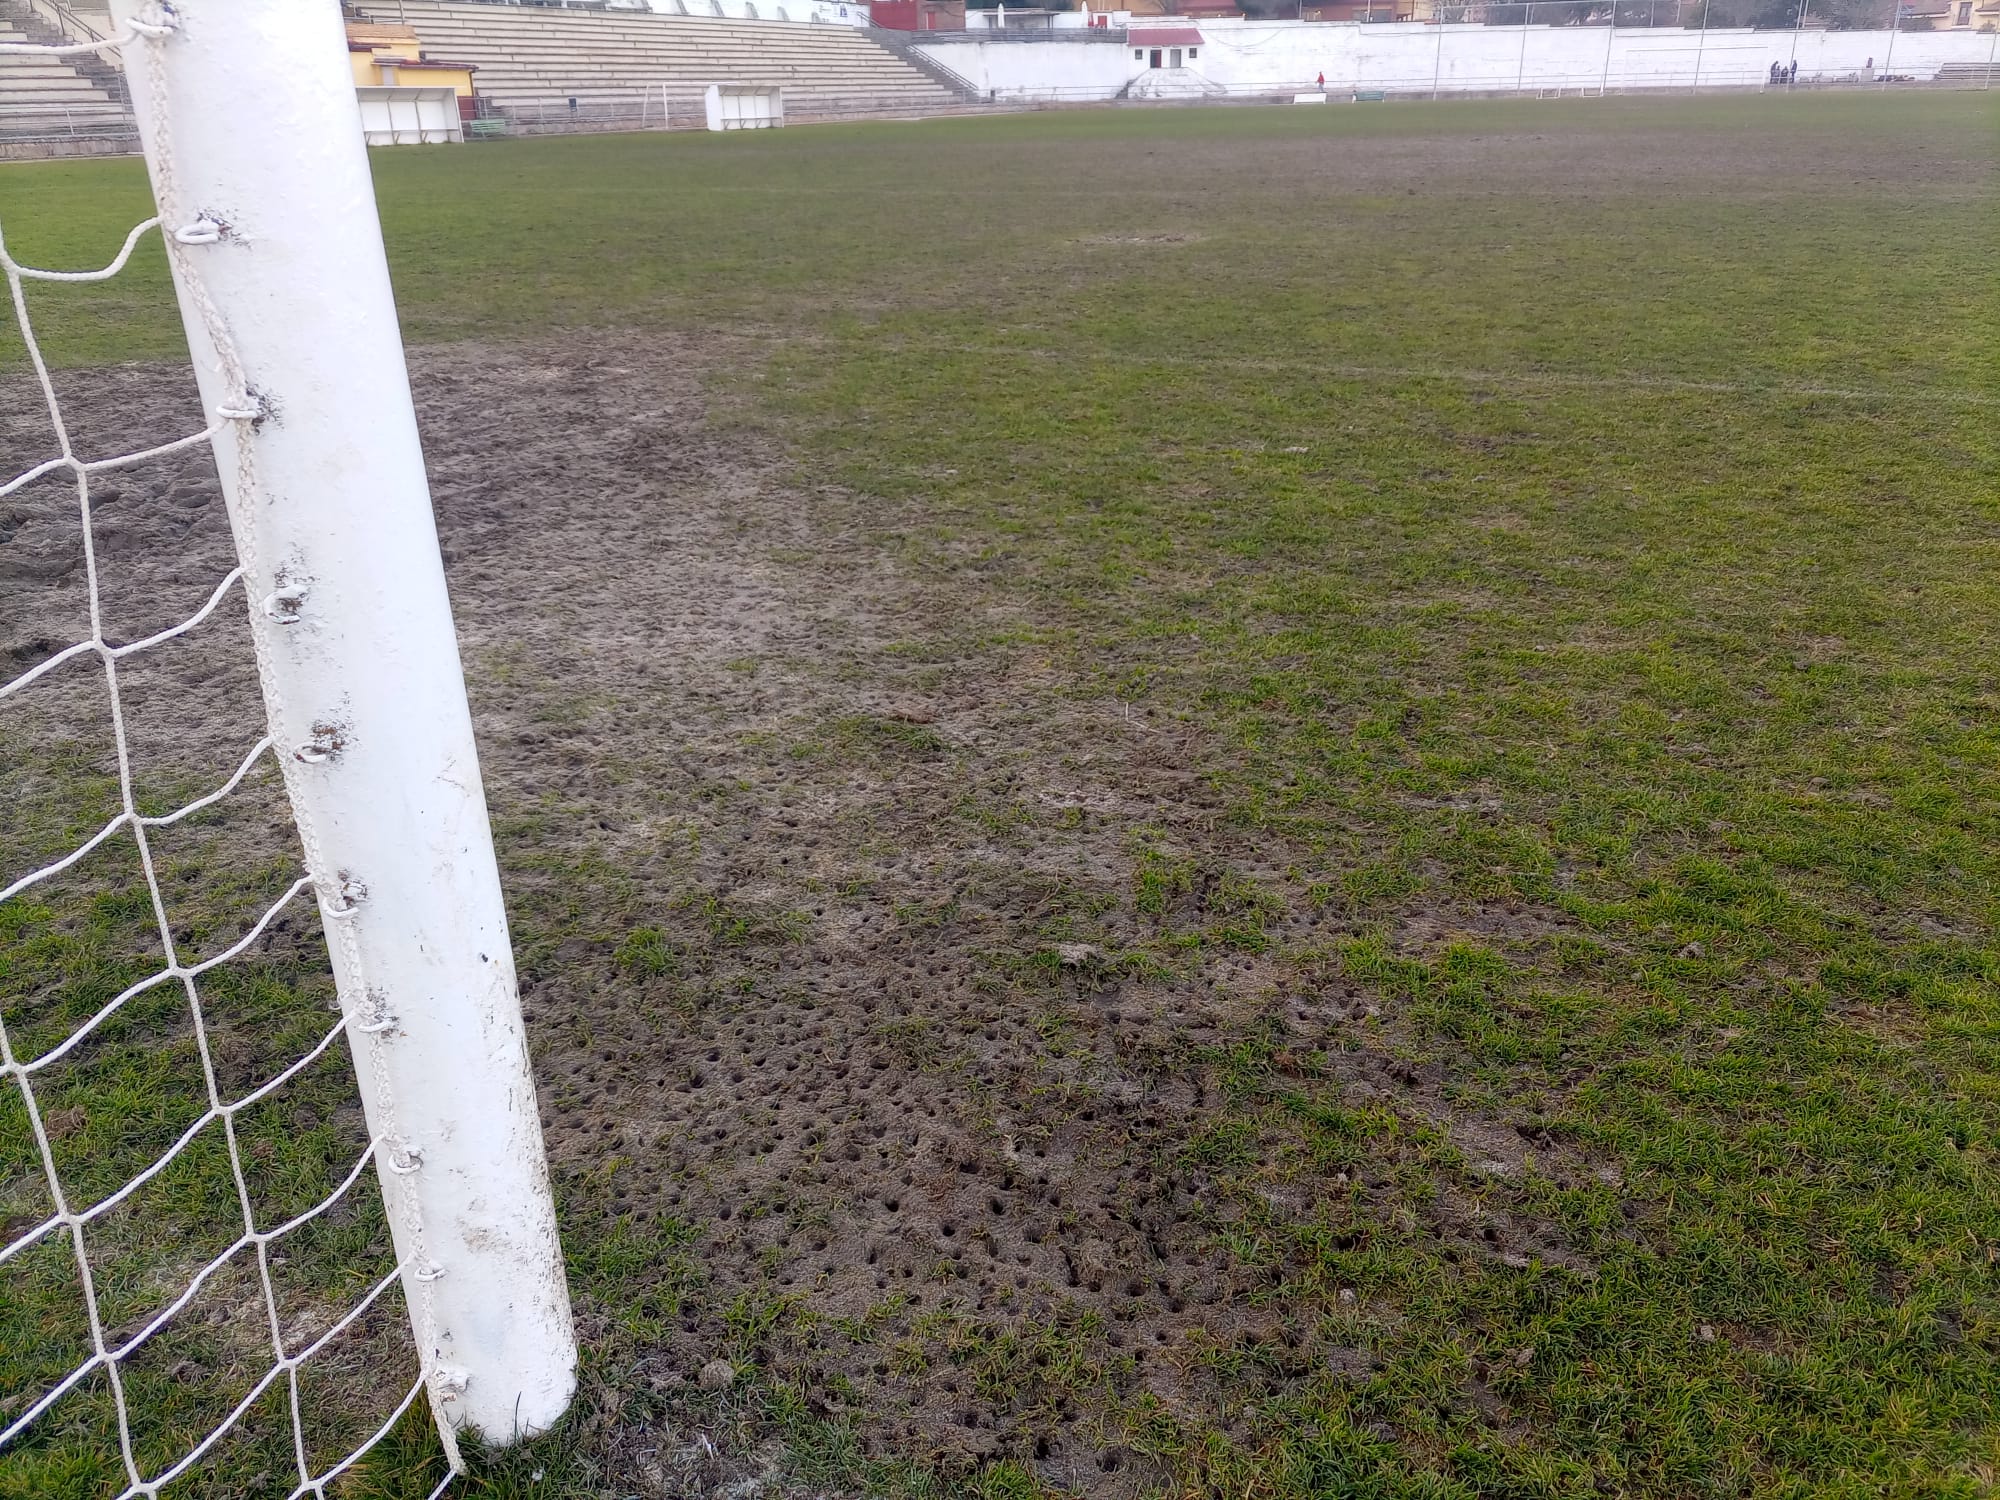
x=196 y=1295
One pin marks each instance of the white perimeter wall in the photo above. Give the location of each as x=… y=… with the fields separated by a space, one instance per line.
x=823 y=12
x=1276 y=57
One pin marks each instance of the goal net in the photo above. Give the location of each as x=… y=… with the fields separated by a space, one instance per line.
x=271 y=1169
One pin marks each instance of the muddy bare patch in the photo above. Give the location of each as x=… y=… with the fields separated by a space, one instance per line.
x=909 y=1028
x=1165 y=237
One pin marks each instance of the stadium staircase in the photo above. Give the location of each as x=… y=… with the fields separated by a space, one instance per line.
x=60 y=106
x=1184 y=85
x=548 y=69
x=1974 y=74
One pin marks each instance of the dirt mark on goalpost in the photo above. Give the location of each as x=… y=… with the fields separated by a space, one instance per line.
x=838 y=902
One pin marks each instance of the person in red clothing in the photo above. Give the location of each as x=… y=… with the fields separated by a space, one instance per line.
x=1322 y=80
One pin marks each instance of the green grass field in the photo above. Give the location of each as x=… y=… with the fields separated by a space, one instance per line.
x=1555 y=546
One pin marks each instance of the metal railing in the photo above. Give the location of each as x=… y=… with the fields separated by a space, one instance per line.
x=65 y=20
x=1012 y=34
x=1421 y=86
x=49 y=122
x=904 y=45
x=681 y=109
x=55 y=21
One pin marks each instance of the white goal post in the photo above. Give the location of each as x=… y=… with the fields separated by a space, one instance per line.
x=253 y=141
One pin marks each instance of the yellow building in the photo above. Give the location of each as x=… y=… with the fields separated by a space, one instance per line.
x=386 y=56
x=1958 y=15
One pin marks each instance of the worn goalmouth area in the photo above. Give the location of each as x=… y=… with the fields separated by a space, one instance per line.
x=1243 y=802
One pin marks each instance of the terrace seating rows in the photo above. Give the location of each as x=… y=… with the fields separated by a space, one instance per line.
x=42 y=95
x=532 y=61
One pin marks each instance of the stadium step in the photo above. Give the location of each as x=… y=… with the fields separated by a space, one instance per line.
x=77 y=100
x=532 y=61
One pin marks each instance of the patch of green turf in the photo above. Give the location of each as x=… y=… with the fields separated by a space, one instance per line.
x=1530 y=542
x=134 y=1092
